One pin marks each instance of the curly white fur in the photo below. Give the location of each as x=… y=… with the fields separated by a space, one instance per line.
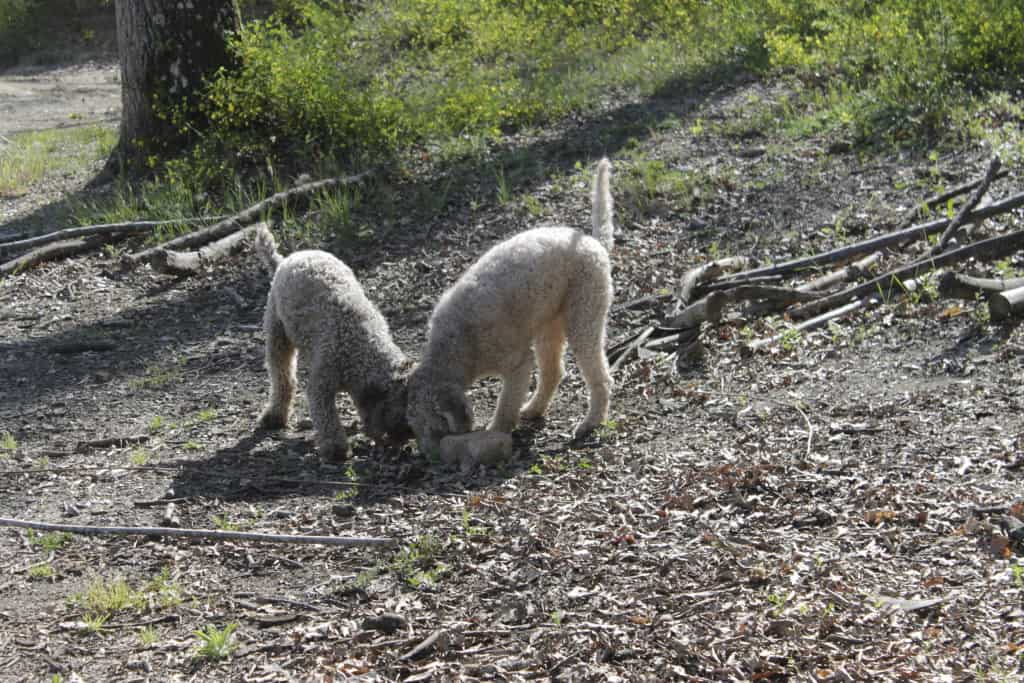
x=542 y=287
x=317 y=307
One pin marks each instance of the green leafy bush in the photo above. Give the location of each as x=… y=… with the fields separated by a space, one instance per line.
x=387 y=74
x=913 y=61
x=14 y=18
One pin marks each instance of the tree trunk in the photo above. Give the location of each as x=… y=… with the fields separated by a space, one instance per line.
x=167 y=49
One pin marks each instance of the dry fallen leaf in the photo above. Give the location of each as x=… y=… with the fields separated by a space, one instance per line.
x=1000 y=546
x=879 y=516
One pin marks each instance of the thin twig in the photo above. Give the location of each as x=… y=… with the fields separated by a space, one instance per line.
x=810 y=428
x=196 y=533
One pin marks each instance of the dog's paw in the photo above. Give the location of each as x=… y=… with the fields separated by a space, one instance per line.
x=583 y=431
x=334 y=451
x=530 y=413
x=272 y=420
x=506 y=426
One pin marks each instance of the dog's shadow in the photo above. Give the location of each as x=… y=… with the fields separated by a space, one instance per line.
x=266 y=465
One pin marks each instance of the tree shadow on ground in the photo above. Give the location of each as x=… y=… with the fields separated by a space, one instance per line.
x=521 y=164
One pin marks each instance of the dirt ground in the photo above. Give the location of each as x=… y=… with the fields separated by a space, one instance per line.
x=834 y=510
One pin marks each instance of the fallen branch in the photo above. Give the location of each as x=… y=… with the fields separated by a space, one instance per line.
x=709 y=271
x=196 y=533
x=183 y=263
x=54 y=251
x=958 y=286
x=640 y=302
x=930 y=203
x=112 y=441
x=886 y=284
x=850 y=272
x=783 y=296
x=819 y=320
x=240 y=220
x=129 y=228
x=707 y=309
x=875 y=243
x=630 y=348
x=1002 y=305
x=728 y=284
x=968 y=206
x=83 y=346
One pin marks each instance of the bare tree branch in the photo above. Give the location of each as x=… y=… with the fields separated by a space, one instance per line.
x=54 y=251
x=196 y=533
x=893 y=281
x=182 y=263
x=875 y=243
x=243 y=218
x=130 y=228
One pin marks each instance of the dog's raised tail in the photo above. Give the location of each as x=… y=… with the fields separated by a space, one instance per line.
x=604 y=230
x=266 y=248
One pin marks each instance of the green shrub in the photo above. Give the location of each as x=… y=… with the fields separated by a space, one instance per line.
x=914 y=61
x=14 y=18
x=389 y=74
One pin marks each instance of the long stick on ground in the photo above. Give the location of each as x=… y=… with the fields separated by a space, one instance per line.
x=886 y=284
x=243 y=218
x=196 y=533
x=130 y=228
x=876 y=243
x=845 y=274
x=54 y=251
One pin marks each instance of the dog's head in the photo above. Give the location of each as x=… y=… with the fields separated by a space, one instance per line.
x=383 y=412
x=436 y=410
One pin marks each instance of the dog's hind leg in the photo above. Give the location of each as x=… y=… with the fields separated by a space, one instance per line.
x=321 y=390
x=514 y=387
x=280 y=361
x=549 y=349
x=586 y=333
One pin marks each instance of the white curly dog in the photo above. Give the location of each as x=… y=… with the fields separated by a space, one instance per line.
x=541 y=287
x=317 y=307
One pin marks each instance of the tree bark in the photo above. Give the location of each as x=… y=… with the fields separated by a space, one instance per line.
x=958 y=286
x=167 y=49
x=1002 y=305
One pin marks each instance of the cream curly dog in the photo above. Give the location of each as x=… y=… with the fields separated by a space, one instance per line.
x=540 y=288
x=318 y=308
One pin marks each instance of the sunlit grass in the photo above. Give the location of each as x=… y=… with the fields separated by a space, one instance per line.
x=27 y=159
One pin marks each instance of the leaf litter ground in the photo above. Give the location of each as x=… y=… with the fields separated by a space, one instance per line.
x=829 y=511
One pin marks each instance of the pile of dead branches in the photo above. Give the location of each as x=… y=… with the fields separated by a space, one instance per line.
x=184 y=255
x=835 y=283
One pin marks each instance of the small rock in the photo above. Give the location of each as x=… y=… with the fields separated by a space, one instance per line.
x=387 y=622
x=486 y=448
x=343 y=509
x=170 y=516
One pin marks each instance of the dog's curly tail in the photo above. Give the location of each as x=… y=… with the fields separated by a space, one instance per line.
x=266 y=248
x=601 y=214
